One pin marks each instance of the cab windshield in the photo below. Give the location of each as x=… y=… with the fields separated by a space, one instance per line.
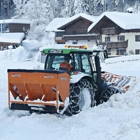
x=53 y=61
x=77 y=62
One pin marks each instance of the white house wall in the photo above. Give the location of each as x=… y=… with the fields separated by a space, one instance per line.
x=132 y=44
x=113 y=51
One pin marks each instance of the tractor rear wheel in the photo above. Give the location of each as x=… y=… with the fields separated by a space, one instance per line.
x=81 y=97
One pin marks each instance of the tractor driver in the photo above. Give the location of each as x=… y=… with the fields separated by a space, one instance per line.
x=66 y=64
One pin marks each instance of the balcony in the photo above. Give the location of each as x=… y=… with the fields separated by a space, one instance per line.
x=116 y=45
x=64 y=38
x=110 y=31
x=81 y=37
x=59 y=40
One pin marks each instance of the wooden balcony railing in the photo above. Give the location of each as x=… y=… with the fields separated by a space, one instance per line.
x=80 y=37
x=115 y=45
x=110 y=31
x=59 y=40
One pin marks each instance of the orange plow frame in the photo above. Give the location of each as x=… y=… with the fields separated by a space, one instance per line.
x=38 y=87
x=123 y=83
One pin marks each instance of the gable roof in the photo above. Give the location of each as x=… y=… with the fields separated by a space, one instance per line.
x=53 y=25
x=126 y=21
x=73 y=18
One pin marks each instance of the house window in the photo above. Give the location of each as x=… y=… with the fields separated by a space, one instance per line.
x=4 y=27
x=74 y=33
x=107 y=39
x=121 y=51
x=59 y=34
x=60 y=42
x=121 y=38
x=137 y=51
x=74 y=42
x=24 y=29
x=137 y=38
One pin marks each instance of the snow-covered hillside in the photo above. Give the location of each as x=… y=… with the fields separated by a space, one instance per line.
x=117 y=119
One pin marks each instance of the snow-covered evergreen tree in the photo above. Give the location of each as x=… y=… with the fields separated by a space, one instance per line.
x=137 y=6
x=118 y=5
x=68 y=9
x=80 y=6
x=40 y=12
x=20 y=8
x=97 y=6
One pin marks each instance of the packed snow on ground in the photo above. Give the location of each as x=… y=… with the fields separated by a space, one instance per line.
x=117 y=119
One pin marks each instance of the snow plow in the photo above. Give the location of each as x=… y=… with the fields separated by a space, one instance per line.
x=71 y=81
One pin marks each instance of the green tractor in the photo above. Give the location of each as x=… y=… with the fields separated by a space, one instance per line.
x=87 y=87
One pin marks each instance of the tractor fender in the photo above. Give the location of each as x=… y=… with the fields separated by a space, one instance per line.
x=78 y=76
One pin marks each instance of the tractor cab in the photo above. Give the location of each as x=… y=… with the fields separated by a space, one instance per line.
x=71 y=60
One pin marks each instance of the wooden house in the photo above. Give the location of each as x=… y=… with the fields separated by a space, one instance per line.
x=52 y=28
x=120 y=32
x=73 y=30
x=76 y=30
x=12 y=32
x=14 y=25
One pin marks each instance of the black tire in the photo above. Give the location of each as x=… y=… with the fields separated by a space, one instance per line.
x=108 y=92
x=81 y=97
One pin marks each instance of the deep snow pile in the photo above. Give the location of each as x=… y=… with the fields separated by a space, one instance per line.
x=125 y=65
x=117 y=119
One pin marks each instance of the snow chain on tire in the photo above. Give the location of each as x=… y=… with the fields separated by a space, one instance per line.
x=74 y=97
x=108 y=92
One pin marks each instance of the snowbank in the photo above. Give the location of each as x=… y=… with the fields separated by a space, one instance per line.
x=122 y=59
x=117 y=119
x=31 y=44
x=19 y=54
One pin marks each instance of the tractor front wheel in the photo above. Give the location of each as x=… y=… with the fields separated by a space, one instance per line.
x=108 y=92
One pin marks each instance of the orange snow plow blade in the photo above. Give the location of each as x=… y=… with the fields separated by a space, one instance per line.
x=123 y=83
x=37 y=88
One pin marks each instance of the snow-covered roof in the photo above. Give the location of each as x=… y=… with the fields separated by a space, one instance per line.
x=54 y=24
x=83 y=15
x=124 y=20
x=20 y=21
x=11 y=37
